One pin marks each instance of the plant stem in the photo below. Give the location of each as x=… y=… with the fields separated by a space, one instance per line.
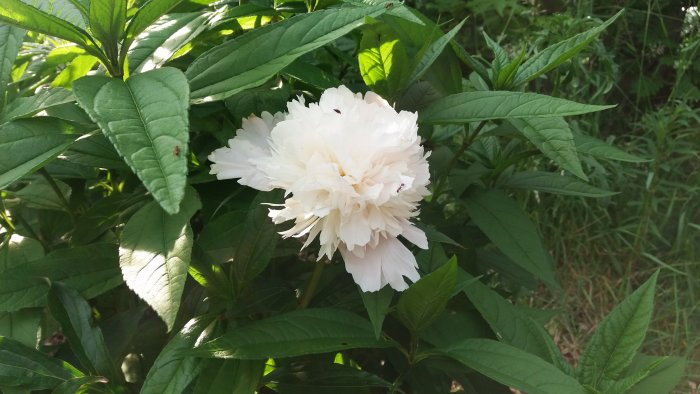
x=311 y=287
x=468 y=140
x=49 y=179
x=6 y=219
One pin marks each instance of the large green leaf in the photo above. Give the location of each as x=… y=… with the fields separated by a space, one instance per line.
x=477 y=106
x=146 y=15
x=16 y=12
x=555 y=183
x=146 y=120
x=24 y=107
x=554 y=55
x=175 y=369
x=383 y=61
x=85 y=338
x=509 y=228
x=426 y=299
x=552 y=136
x=10 y=44
x=305 y=331
x=251 y=59
x=28 y=144
x=513 y=367
x=157 y=44
x=30 y=369
x=155 y=252
x=107 y=21
x=512 y=326
x=91 y=269
x=618 y=337
x=588 y=145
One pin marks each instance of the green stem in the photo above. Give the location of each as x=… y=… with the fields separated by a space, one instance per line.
x=311 y=286
x=6 y=219
x=463 y=148
x=58 y=192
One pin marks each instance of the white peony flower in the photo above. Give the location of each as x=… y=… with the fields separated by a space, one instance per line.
x=354 y=173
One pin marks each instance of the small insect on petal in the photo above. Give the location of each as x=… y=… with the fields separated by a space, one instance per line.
x=177 y=151
x=336 y=110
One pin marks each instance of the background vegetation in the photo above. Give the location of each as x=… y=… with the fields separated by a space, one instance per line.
x=647 y=63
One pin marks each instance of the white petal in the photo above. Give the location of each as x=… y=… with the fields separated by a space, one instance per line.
x=387 y=263
x=245 y=151
x=366 y=271
x=414 y=235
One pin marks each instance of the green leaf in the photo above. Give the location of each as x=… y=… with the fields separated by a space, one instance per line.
x=594 y=147
x=383 y=61
x=509 y=228
x=175 y=369
x=10 y=43
x=145 y=17
x=555 y=183
x=221 y=376
x=30 y=369
x=78 y=385
x=431 y=53
x=24 y=107
x=325 y=379
x=155 y=252
x=85 y=338
x=251 y=59
x=94 y=150
x=17 y=250
x=16 y=12
x=512 y=326
x=78 y=68
x=477 y=106
x=554 y=55
x=102 y=216
x=377 y=305
x=22 y=326
x=426 y=299
x=107 y=21
x=91 y=269
x=552 y=136
x=40 y=195
x=304 y=331
x=310 y=74
x=662 y=379
x=618 y=337
x=160 y=41
x=513 y=367
x=28 y=144
x=71 y=11
x=146 y=120
x=254 y=242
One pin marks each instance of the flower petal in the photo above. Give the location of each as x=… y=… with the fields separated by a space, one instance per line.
x=387 y=263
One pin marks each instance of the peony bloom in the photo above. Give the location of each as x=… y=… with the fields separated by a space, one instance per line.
x=353 y=172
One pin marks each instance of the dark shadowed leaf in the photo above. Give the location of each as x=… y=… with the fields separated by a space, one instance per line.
x=509 y=228
x=85 y=338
